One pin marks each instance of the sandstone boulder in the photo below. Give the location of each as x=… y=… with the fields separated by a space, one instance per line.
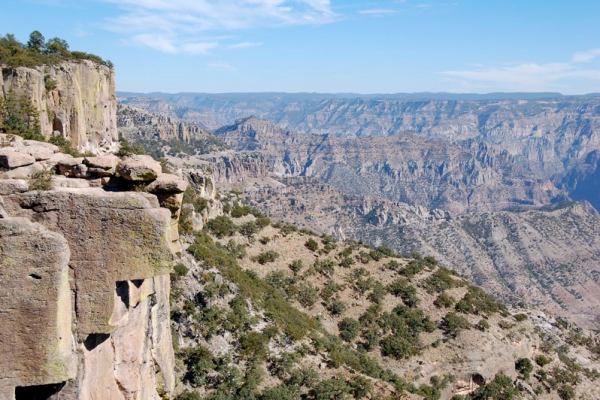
x=35 y=333
x=9 y=158
x=167 y=183
x=25 y=172
x=102 y=166
x=113 y=236
x=72 y=167
x=10 y=186
x=140 y=168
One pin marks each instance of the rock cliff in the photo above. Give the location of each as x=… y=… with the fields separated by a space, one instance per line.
x=86 y=247
x=74 y=99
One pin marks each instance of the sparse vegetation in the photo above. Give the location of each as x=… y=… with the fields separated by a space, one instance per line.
x=39 y=51
x=41 y=180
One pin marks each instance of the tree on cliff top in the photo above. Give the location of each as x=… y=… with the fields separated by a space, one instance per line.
x=38 y=51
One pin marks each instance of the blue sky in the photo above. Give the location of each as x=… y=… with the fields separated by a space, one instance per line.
x=370 y=46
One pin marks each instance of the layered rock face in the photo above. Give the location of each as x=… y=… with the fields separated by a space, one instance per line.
x=85 y=265
x=75 y=99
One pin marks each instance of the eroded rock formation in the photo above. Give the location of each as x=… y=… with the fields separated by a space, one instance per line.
x=84 y=265
x=73 y=99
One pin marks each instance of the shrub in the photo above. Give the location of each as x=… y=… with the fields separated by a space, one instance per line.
x=324 y=267
x=248 y=229
x=520 y=317
x=412 y=268
x=311 y=244
x=199 y=362
x=524 y=367
x=331 y=389
x=336 y=306
x=19 y=117
x=348 y=329
x=266 y=257
x=378 y=292
x=49 y=83
x=403 y=289
x=41 y=180
x=444 y=301
x=187 y=395
x=482 y=325
x=501 y=387
x=307 y=295
x=566 y=392
x=221 y=226
x=180 y=270
x=476 y=301
x=65 y=145
x=439 y=281
x=253 y=345
x=399 y=346
x=360 y=387
x=296 y=266
x=281 y=392
x=190 y=197
x=542 y=360
x=453 y=323
x=127 y=149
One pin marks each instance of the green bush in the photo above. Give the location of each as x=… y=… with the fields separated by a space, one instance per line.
x=453 y=323
x=500 y=388
x=403 y=289
x=444 y=301
x=520 y=317
x=187 y=395
x=19 y=117
x=221 y=226
x=307 y=295
x=336 y=306
x=253 y=345
x=311 y=244
x=281 y=392
x=180 y=270
x=524 y=367
x=566 y=392
x=324 y=267
x=65 y=145
x=482 y=325
x=41 y=180
x=190 y=197
x=348 y=328
x=296 y=266
x=331 y=389
x=266 y=257
x=439 y=281
x=542 y=360
x=199 y=363
x=476 y=301
x=127 y=149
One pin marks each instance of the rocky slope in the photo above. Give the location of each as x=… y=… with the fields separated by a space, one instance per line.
x=74 y=99
x=267 y=311
x=548 y=257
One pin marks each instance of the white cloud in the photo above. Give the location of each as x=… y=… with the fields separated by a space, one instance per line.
x=244 y=45
x=377 y=11
x=182 y=26
x=586 y=56
x=529 y=76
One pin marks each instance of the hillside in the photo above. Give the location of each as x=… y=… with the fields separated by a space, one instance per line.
x=293 y=315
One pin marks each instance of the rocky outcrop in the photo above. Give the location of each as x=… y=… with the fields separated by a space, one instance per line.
x=74 y=99
x=88 y=317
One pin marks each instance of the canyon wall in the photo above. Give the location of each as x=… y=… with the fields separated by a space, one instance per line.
x=74 y=99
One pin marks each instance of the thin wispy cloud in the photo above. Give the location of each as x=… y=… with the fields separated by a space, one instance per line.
x=221 y=65
x=377 y=12
x=244 y=45
x=185 y=26
x=530 y=76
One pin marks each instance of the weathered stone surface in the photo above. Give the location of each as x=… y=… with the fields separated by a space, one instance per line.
x=139 y=168
x=167 y=183
x=35 y=333
x=64 y=182
x=136 y=361
x=9 y=158
x=10 y=186
x=24 y=172
x=38 y=150
x=102 y=165
x=112 y=236
x=72 y=167
x=82 y=107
